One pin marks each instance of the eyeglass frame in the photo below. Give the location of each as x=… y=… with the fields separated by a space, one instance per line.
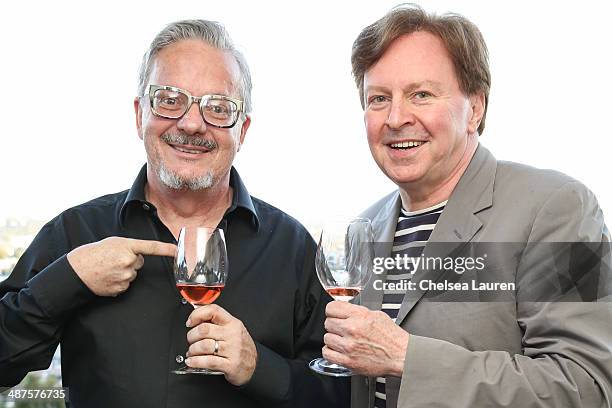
x=199 y=100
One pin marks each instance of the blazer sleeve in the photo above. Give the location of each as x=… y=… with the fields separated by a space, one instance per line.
x=567 y=335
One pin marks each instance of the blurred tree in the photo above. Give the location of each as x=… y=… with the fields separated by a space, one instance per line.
x=19 y=252
x=5 y=251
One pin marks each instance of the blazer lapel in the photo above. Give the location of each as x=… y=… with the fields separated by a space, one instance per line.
x=458 y=223
x=383 y=226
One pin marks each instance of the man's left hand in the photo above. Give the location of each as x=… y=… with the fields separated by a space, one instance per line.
x=367 y=342
x=236 y=355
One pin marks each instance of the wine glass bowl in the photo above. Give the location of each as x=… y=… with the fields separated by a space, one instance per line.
x=343 y=261
x=200 y=272
x=344 y=257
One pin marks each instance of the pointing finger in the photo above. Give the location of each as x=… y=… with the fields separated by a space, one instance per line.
x=144 y=247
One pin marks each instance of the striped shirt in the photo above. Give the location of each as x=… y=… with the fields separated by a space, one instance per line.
x=411 y=234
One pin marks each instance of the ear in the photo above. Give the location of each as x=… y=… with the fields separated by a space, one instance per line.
x=477 y=106
x=138 y=113
x=243 y=129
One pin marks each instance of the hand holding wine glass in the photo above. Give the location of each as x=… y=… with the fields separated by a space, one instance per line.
x=232 y=352
x=343 y=262
x=200 y=271
x=219 y=343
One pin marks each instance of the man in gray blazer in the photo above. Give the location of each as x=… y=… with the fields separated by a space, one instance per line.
x=543 y=337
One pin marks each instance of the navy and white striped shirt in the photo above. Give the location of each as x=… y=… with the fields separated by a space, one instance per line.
x=411 y=234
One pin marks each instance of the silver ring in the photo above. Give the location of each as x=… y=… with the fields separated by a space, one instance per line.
x=216 y=348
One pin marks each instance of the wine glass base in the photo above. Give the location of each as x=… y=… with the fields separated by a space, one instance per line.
x=191 y=370
x=324 y=367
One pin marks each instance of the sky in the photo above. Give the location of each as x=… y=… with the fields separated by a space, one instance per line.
x=69 y=68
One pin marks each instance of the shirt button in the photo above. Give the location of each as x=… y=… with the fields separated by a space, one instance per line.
x=183 y=301
x=179 y=359
x=146 y=206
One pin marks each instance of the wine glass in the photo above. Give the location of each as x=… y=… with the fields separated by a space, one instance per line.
x=343 y=261
x=200 y=272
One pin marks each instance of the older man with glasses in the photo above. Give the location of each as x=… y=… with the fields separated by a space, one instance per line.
x=98 y=278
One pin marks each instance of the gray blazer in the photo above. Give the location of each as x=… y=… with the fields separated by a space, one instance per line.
x=465 y=353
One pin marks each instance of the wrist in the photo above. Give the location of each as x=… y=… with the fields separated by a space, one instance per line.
x=397 y=365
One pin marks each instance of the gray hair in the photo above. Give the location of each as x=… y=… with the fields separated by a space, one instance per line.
x=213 y=34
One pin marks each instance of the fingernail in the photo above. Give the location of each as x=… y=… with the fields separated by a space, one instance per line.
x=187 y=361
x=188 y=324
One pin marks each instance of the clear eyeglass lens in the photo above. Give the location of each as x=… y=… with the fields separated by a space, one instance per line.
x=169 y=103
x=173 y=104
x=220 y=112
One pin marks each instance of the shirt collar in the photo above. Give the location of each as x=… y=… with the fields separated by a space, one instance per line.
x=241 y=198
x=137 y=192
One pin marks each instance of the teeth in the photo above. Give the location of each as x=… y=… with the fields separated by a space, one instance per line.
x=406 y=144
x=187 y=150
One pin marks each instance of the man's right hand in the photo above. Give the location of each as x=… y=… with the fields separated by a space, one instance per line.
x=108 y=267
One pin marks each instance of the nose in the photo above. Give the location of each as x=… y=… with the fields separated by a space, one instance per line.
x=192 y=122
x=400 y=114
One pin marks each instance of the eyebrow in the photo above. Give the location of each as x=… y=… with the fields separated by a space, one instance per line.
x=227 y=92
x=409 y=88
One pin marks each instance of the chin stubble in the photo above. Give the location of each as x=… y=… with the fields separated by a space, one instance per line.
x=174 y=181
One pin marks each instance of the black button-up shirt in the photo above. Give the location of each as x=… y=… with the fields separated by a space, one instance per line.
x=119 y=351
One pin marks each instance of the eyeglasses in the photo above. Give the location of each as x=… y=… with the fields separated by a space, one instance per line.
x=172 y=103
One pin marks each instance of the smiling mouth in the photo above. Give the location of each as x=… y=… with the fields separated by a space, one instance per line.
x=190 y=149
x=407 y=145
